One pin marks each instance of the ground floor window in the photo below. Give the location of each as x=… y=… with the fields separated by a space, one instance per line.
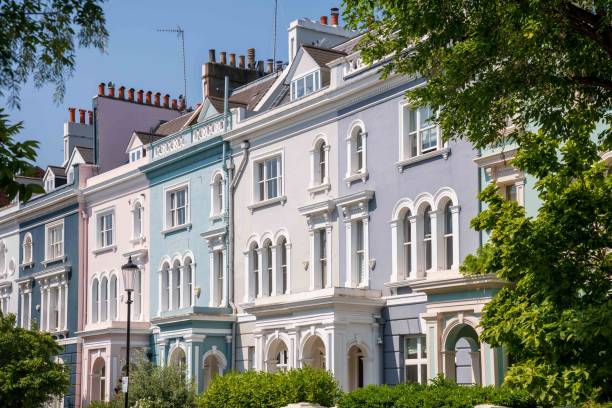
x=415 y=355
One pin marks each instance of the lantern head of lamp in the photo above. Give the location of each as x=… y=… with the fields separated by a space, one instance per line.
x=128 y=270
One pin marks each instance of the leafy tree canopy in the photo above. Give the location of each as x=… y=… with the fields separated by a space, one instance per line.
x=37 y=42
x=29 y=374
x=547 y=66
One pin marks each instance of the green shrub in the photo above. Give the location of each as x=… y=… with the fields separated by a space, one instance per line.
x=259 y=389
x=438 y=394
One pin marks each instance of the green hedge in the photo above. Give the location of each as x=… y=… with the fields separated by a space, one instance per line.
x=439 y=394
x=259 y=389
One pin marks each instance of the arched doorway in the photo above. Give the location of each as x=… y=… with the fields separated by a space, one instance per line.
x=462 y=355
x=278 y=357
x=178 y=358
x=98 y=380
x=314 y=353
x=356 y=357
x=213 y=366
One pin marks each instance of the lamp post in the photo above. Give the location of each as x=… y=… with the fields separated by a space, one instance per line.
x=128 y=271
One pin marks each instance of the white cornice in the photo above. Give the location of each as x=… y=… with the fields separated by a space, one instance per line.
x=458 y=284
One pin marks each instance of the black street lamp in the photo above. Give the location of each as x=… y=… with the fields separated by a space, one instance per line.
x=128 y=270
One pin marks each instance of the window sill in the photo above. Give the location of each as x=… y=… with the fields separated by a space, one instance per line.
x=27 y=265
x=363 y=176
x=181 y=227
x=105 y=249
x=444 y=152
x=216 y=217
x=47 y=262
x=319 y=188
x=281 y=199
x=137 y=241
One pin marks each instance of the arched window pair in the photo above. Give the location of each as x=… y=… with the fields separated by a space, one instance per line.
x=104 y=299
x=177 y=284
x=268 y=268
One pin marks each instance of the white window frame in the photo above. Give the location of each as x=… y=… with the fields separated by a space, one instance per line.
x=217 y=195
x=352 y=172
x=26 y=261
x=187 y=282
x=137 y=208
x=319 y=182
x=407 y=150
x=168 y=211
x=420 y=361
x=315 y=74
x=283 y=282
x=101 y=231
x=257 y=199
x=25 y=299
x=48 y=228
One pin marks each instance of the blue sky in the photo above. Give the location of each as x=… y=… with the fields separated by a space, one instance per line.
x=140 y=57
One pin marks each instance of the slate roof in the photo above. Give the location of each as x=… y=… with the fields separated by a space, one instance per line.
x=323 y=56
x=146 y=137
x=86 y=153
x=58 y=171
x=174 y=125
x=349 y=45
x=249 y=95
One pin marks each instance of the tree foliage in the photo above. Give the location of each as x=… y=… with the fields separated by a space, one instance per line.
x=546 y=67
x=38 y=39
x=29 y=375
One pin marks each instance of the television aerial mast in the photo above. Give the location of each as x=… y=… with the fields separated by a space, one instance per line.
x=180 y=33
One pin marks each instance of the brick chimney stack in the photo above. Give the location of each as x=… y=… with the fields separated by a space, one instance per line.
x=251 y=58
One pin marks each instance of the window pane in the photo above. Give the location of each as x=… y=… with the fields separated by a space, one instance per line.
x=413 y=144
x=309 y=84
x=412 y=120
x=412 y=374
x=511 y=192
x=423 y=373
x=411 y=348
x=425 y=114
x=300 y=87
x=423 y=346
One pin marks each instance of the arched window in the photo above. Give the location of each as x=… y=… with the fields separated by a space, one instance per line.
x=188 y=279
x=137 y=216
x=113 y=297
x=165 y=286
x=448 y=236
x=27 y=249
x=176 y=284
x=137 y=306
x=254 y=260
x=217 y=204
x=357 y=153
x=268 y=270
x=95 y=300
x=178 y=358
x=427 y=237
x=321 y=163
x=282 y=247
x=104 y=297
x=219 y=271
x=407 y=244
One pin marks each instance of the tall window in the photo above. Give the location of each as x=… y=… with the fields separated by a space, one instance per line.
x=54 y=308
x=255 y=269
x=427 y=237
x=27 y=249
x=357 y=153
x=105 y=230
x=421 y=134
x=268 y=267
x=137 y=306
x=510 y=192
x=176 y=285
x=217 y=195
x=448 y=235
x=137 y=220
x=282 y=245
x=113 y=297
x=104 y=298
x=269 y=178
x=282 y=359
x=407 y=244
x=177 y=203
x=415 y=354
x=95 y=300
x=188 y=279
x=218 y=277
x=25 y=309
x=305 y=85
x=55 y=241
x=360 y=251
x=323 y=256
x=165 y=283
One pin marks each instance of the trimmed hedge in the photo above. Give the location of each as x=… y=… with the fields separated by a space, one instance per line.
x=260 y=389
x=439 y=394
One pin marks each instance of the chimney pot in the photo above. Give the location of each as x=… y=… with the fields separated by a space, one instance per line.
x=122 y=92
x=260 y=67
x=90 y=117
x=334 y=16
x=223 y=58
x=111 y=90
x=166 y=100
x=140 y=92
x=148 y=97
x=270 y=65
x=157 y=96
x=211 y=55
x=232 y=59
x=174 y=104
x=81 y=115
x=101 y=89
x=323 y=20
x=241 y=61
x=279 y=65
x=251 y=58
x=131 y=94
x=71 y=115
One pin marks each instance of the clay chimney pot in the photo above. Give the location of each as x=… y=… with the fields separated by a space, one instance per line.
x=334 y=16
x=122 y=92
x=101 y=89
x=131 y=94
x=157 y=96
x=71 y=115
x=90 y=117
x=241 y=61
x=148 y=97
x=174 y=104
x=140 y=93
x=323 y=20
x=111 y=90
x=232 y=59
x=166 y=100
x=223 y=58
x=251 y=58
x=81 y=115
x=270 y=65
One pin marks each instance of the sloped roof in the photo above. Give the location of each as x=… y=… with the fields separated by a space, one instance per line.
x=174 y=125
x=218 y=103
x=249 y=95
x=349 y=45
x=86 y=153
x=146 y=137
x=322 y=56
x=57 y=171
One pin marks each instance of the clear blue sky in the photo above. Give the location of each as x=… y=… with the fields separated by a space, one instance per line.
x=140 y=57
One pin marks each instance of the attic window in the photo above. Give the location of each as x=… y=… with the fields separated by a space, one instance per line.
x=305 y=85
x=136 y=154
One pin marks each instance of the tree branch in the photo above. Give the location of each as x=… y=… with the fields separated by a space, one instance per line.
x=590 y=25
x=593 y=81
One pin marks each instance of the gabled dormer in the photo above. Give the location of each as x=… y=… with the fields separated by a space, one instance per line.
x=54 y=177
x=79 y=155
x=309 y=73
x=137 y=146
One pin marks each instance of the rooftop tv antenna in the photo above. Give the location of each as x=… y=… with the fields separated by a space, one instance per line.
x=274 y=37
x=180 y=33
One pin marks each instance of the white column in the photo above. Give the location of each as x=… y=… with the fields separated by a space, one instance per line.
x=160 y=289
x=312 y=263
x=248 y=280
x=366 y=248
x=212 y=277
x=349 y=254
x=312 y=168
x=476 y=377
x=328 y=249
x=414 y=245
x=449 y=364
x=224 y=289
x=61 y=306
x=48 y=308
x=189 y=360
x=455 y=218
x=161 y=344
x=520 y=191
x=276 y=279
x=289 y=262
x=261 y=266
x=259 y=357
x=396 y=248
x=433 y=215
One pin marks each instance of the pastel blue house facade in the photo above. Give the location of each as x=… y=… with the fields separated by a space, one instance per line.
x=49 y=274
x=188 y=248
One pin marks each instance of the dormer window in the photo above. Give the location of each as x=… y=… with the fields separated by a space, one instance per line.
x=136 y=154
x=305 y=85
x=49 y=184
